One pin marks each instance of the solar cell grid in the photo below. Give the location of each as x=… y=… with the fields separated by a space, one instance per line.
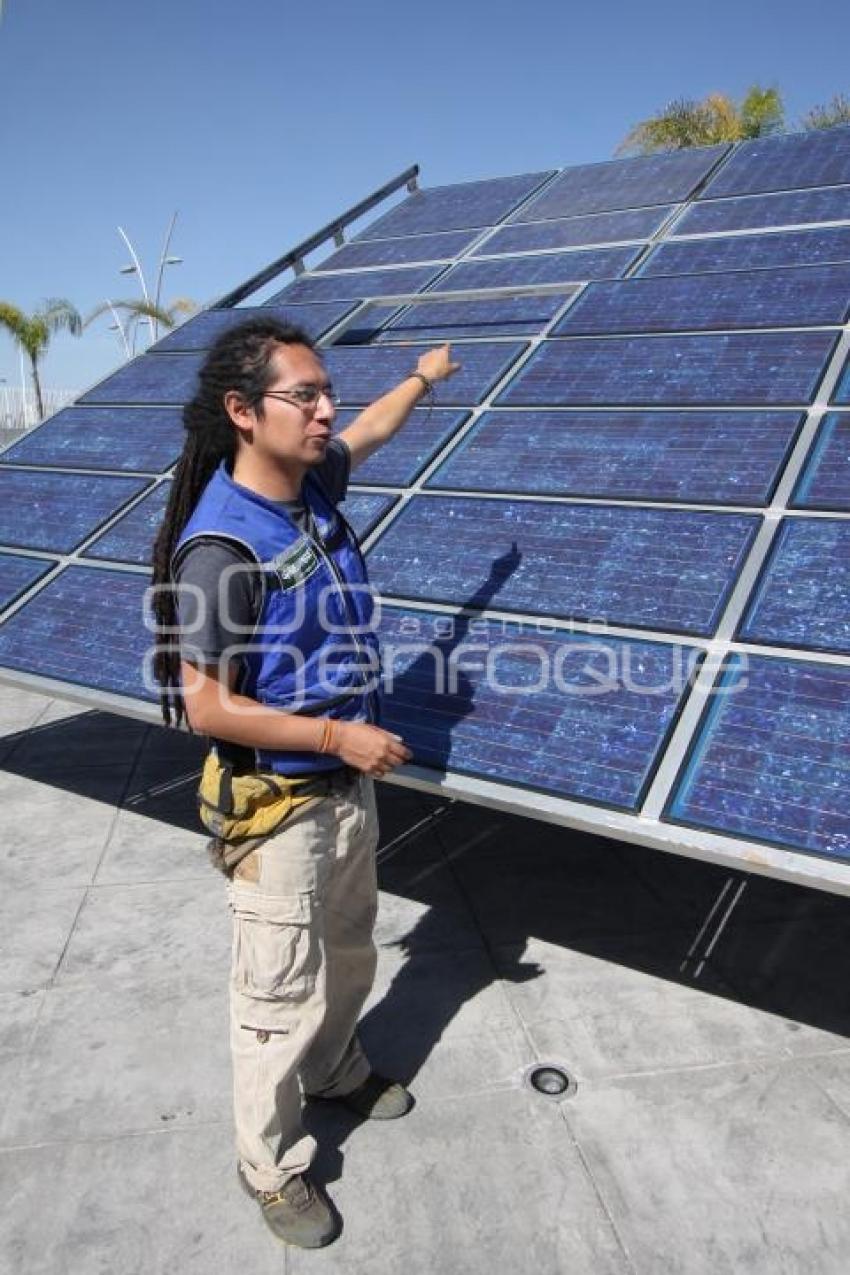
x=574 y=232
x=405 y=456
x=790 y=208
x=59 y=632
x=738 y=369
x=749 y=252
x=404 y=251
x=126 y=438
x=200 y=332
x=803 y=596
x=825 y=481
x=18 y=573
x=537 y=717
x=806 y=296
x=791 y=162
x=130 y=538
x=718 y=457
x=364 y=373
x=365 y=509
x=624 y=183
x=647 y=568
x=771 y=758
x=457 y=207
x=842 y=391
x=356 y=285
x=153 y=378
x=444 y=321
x=553 y=267
x=40 y=509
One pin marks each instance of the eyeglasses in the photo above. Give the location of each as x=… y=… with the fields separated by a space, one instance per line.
x=304 y=395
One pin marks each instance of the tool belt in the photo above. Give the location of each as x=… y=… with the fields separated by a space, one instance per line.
x=243 y=810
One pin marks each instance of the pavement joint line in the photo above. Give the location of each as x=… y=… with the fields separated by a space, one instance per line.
x=564 y=1115
x=77 y=1139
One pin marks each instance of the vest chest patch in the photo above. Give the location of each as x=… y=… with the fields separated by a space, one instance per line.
x=295 y=565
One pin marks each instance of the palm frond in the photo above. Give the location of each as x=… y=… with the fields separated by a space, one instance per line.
x=61 y=316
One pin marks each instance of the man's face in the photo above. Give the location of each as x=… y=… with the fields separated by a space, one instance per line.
x=297 y=425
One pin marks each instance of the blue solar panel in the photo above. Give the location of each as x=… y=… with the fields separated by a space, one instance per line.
x=364 y=373
x=719 y=457
x=574 y=232
x=791 y=162
x=356 y=285
x=551 y=267
x=623 y=183
x=842 y=390
x=803 y=596
x=401 y=460
x=758 y=368
x=40 y=509
x=365 y=509
x=750 y=252
x=618 y=473
x=447 y=321
x=18 y=573
x=825 y=481
x=564 y=737
x=791 y=208
x=397 y=252
x=152 y=378
x=772 y=755
x=741 y=299
x=648 y=568
x=136 y=438
x=458 y=207
x=59 y=633
x=131 y=538
x=200 y=332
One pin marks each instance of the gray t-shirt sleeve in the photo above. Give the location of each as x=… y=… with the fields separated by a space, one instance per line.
x=218 y=598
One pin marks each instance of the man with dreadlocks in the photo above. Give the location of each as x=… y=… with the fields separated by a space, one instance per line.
x=276 y=662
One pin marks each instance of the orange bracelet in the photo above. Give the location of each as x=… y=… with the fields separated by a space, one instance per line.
x=328 y=736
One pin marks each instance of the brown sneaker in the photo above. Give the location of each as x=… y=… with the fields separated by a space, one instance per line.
x=299 y=1213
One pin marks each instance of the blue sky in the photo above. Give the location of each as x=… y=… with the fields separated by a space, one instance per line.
x=259 y=121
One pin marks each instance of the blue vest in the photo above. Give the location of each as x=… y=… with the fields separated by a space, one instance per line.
x=314 y=650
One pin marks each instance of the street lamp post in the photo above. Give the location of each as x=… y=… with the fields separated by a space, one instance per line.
x=135 y=267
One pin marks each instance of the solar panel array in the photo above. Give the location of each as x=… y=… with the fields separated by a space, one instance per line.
x=615 y=557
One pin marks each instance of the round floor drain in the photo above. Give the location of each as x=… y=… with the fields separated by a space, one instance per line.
x=551 y=1080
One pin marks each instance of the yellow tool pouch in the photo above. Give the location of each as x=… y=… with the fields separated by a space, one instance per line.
x=241 y=811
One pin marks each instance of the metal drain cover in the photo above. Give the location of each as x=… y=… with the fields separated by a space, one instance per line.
x=550 y=1080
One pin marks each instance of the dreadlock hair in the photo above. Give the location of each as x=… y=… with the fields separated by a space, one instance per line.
x=240 y=361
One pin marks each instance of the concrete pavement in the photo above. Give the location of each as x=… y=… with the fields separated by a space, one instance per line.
x=710 y=1127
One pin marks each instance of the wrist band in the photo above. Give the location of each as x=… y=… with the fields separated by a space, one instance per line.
x=420 y=376
x=328 y=733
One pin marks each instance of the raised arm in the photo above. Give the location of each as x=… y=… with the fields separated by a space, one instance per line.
x=378 y=423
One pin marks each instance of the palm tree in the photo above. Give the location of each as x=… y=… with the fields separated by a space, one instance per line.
x=717 y=118
x=836 y=111
x=159 y=316
x=33 y=333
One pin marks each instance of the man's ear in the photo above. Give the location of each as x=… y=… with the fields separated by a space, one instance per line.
x=240 y=412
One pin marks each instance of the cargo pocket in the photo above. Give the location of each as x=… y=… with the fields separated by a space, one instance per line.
x=275 y=950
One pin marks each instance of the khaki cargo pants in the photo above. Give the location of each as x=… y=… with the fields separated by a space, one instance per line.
x=303 y=962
